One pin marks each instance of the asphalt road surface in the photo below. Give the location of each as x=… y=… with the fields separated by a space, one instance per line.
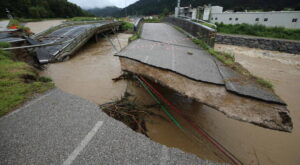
x=59 y=128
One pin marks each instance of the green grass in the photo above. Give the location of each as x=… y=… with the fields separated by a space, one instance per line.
x=126 y=26
x=259 y=30
x=264 y=82
x=229 y=60
x=18 y=82
x=129 y=27
x=4 y=45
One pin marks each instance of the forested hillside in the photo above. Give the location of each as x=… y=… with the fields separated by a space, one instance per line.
x=104 y=12
x=150 y=7
x=41 y=9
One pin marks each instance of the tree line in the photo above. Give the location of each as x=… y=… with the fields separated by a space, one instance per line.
x=41 y=9
x=154 y=7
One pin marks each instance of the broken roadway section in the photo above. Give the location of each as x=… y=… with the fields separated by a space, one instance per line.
x=199 y=75
x=59 y=128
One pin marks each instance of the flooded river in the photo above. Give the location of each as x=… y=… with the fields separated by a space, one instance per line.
x=37 y=27
x=271 y=147
x=88 y=74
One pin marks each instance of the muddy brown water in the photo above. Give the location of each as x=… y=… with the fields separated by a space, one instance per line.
x=88 y=74
x=90 y=71
x=37 y=27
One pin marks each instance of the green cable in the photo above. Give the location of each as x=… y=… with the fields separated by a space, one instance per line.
x=162 y=107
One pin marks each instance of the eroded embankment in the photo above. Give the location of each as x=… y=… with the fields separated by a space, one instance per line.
x=262 y=113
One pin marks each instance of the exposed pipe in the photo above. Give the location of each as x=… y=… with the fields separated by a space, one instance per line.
x=221 y=148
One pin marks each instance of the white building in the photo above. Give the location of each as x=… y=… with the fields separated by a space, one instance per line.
x=287 y=19
x=188 y=12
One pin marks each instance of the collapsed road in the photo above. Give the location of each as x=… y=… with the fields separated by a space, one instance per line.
x=173 y=60
x=65 y=39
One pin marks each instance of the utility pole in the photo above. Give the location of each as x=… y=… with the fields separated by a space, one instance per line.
x=177 y=9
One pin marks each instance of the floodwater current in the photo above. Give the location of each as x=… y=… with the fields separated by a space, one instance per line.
x=89 y=72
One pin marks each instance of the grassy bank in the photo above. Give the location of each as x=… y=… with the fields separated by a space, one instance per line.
x=260 y=30
x=18 y=82
x=229 y=60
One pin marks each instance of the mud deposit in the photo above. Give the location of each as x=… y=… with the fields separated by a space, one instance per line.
x=90 y=71
x=271 y=147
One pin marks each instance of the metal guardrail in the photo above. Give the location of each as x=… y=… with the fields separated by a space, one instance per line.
x=137 y=24
x=197 y=30
x=74 y=43
x=81 y=39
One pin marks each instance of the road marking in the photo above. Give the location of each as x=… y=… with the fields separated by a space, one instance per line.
x=83 y=143
x=173 y=58
x=27 y=105
x=164 y=155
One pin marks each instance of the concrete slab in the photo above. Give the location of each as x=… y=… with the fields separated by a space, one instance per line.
x=59 y=128
x=192 y=63
x=239 y=84
x=164 y=47
x=165 y=33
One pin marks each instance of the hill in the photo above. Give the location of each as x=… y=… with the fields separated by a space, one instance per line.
x=41 y=9
x=104 y=12
x=152 y=7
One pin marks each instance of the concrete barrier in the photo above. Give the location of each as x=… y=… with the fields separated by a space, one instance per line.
x=197 y=30
x=289 y=46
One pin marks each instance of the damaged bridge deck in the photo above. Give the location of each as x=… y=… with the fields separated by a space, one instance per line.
x=175 y=61
x=67 y=38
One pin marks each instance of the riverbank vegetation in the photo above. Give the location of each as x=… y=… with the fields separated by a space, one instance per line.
x=41 y=9
x=260 y=31
x=229 y=60
x=18 y=81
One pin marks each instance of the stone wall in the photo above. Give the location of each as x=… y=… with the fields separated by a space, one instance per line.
x=197 y=30
x=288 y=46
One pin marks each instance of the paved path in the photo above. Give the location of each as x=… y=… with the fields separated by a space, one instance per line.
x=59 y=128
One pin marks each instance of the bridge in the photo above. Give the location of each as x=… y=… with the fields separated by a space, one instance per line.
x=62 y=41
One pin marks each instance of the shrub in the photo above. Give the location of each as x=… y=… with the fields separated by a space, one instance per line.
x=259 y=30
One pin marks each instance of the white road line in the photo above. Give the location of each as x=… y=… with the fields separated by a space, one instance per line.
x=83 y=143
x=164 y=155
x=26 y=105
x=173 y=58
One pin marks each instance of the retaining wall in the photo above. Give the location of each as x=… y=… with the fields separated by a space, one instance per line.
x=288 y=46
x=199 y=31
